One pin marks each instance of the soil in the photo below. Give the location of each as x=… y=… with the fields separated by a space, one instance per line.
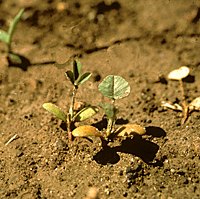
x=137 y=40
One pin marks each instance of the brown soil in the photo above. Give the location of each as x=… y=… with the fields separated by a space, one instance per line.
x=138 y=40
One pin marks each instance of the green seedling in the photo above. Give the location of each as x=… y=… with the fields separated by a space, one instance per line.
x=113 y=87
x=76 y=79
x=7 y=38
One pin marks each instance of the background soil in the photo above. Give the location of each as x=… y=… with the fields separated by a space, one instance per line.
x=138 y=40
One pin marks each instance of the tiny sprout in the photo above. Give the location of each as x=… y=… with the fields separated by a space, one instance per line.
x=84 y=113
x=114 y=87
x=180 y=74
x=7 y=38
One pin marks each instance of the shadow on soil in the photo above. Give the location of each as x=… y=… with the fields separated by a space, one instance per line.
x=25 y=63
x=137 y=146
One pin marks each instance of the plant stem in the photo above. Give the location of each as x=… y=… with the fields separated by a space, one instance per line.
x=71 y=111
x=185 y=107
x=68 y=124
x=111 y=121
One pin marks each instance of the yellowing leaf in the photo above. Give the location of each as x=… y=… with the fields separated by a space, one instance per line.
x=129 y=129
x=84 y=131
x=85 y=113
x=179 y=74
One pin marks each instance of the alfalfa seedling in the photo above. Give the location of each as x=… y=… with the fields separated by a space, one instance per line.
x=76 y=79
x=113 y=87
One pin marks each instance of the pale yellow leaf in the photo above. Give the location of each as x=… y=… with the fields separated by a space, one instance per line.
x=179 y=74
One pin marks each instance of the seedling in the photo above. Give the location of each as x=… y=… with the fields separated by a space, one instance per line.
x=180 y=74
x=113 y=87
x=84 y=113
x=7 y=38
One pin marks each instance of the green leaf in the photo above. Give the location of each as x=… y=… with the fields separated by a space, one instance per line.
x=14 y=59
x=85 y=113
x=3 y=36
x=83 y=78
x=76 y=69
x=70 y=75
x=13 y=24
x=55 y=110
x=114 y=87
x=110 y=110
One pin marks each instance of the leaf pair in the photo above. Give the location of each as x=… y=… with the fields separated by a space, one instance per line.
x=74 y=75
x=125 y=130
x=82 y=115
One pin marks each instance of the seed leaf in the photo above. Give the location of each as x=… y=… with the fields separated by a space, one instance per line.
x=129 y=129
x=55 y=110
x=13 y=24
x=3 y=36
x=114 y=87
x=179 y=74
x=84 y=131
x=83 y=78
x=85 y=113
x=195 y=104
x=14 y=59
x=76 y=69
x=70 y=75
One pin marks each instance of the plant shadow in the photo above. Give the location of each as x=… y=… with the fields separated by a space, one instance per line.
x=103 y=123
x=25 y=63
x=137 y=146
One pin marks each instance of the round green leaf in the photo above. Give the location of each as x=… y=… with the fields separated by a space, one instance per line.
x=55 y=110
x=114 y=87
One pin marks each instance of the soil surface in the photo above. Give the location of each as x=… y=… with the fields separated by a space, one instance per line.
x=140 y=41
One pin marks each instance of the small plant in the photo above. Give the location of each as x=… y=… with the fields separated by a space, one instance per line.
x=7 y=38
x=113 y=87
x=84 y=113
x=180 y=74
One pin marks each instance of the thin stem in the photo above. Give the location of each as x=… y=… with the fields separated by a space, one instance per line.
x=185 y=107
x=182 y=91
x=71 y=111
x=111 y=121
x=68 y=124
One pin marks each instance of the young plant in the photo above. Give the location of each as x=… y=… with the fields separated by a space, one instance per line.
x=7 y=38
x=180 y=74
x=84 y=113
x=113 y=87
